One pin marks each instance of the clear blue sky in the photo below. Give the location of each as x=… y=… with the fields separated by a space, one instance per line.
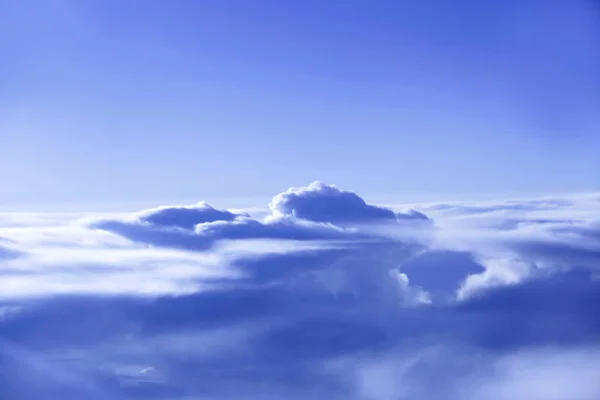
x=120 y=100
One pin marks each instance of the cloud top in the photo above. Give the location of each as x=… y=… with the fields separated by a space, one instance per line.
x=326 y=203
x=185 y=217
x=315 y=212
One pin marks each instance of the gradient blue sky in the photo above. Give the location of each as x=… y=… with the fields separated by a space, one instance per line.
x=143 y=101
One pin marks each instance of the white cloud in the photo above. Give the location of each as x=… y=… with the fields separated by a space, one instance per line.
x=498 y=272
x=543 y=374
x=467 y=373
x=261 y=304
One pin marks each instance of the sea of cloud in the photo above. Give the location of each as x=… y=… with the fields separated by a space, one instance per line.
x=318 y=295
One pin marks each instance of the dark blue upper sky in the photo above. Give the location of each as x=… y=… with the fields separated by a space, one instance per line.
x=127 y=100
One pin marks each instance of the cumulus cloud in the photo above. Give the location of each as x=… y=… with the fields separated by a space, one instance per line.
x=326 y=203
x=188 y=248
x=326 y=296
x=317 y=211
x=185 y=217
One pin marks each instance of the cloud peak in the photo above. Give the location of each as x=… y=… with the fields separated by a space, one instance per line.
x=185 y=217
x=321 y=202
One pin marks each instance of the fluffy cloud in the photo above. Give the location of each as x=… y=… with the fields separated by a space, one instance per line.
x=185 y=217
x=326 y=203
x=315 y=212
x=325 y=297
x=190 y=248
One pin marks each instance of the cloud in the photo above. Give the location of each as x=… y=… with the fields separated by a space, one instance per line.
x=326 y=203
x=513 y=243
x=550 y=373
x=189 y=248
x=346 y=244
x=325 y=297
x=205 y=235
x=185 y=217
x=277 y=340
x=315 y=212
x=8 y=253
x=442 y=273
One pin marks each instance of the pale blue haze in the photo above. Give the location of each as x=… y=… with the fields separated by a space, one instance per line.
x=114 y=101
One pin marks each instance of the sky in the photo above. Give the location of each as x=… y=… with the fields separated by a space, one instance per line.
x=104 y=104
x=303 y=199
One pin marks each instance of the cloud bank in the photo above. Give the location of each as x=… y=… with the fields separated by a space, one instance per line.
x=324 y=296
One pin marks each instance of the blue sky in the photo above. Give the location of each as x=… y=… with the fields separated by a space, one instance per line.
x=328 y=139
x=135 y=101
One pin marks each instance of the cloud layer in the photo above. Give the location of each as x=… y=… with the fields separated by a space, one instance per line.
x=326 y=296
